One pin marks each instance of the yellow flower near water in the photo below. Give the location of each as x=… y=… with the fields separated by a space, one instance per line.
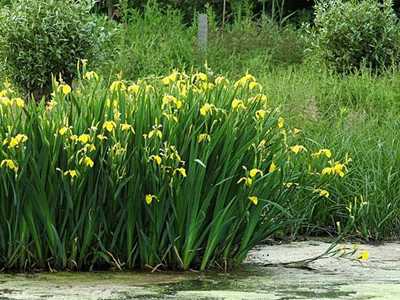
x=324 y=152
x=178 y=104
x=200 y=76
x=90 y=75
x=247 y=181
x=149 y=198
x=255 y=85
x=117 y=85
x=87 y=161
x=10 y=164
x=170 y=117
x=51 y=105
x=322 y=193
x=109 y=126
x=155 y=132
x=297 y=149
x=5 y=101
x=253 y=172
x=203 y=137
x=16 y=141
x=244 y=80
x=19 y=102
x=221 y=80
x=259 y=97
x=89 y=148
x=101 y=137
x=206 y=109
x=126 y=127
x=170 y=78
x=364 y=255
x=336 y=169
x=238 y=104
x=253 y=199
x=281 y=122
x=260 y=114
x=290 y=184
x=296 y=131
x=133 y=89
x=84 y=138
x=169 y=99
x=65 y=88
x=181 y=171
x=71 y=173
x=63 y=130
x=156 y=158
x=272 y=168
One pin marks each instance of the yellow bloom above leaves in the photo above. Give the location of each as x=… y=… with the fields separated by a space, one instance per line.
x=363 y=256
x=84 y=138
x=19 y=102
x=237 y=105
x=63 y=130
x=253 y=172
x=323 y=152
x=260 y=114
x=65 y=88
x=71 y=173
x=16 y=141
x=297 y=149
x=126 y=127
x=203 y=137
x=87 y=161
x=253 y=199
x=10 y=164
x=117 y=85
x=181 y=171
x=246 y=180
x=272 y=168
x=206 y=109
x=133 y=89
x=335 y=169
x=149 y=198
x=156 y=158
x=170 y=78
x=322 y=193
x=91 y=75
x=109 y=126
x=281 y=122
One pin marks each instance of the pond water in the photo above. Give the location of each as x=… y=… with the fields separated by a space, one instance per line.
x=331 y=278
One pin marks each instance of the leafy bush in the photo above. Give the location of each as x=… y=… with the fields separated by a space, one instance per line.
x=184 y=173
x=350 y=34
x=41 y=38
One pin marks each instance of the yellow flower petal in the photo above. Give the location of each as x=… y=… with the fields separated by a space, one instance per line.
x=254 y=199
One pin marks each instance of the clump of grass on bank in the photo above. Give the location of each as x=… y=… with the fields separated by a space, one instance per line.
x=357 y=114
x=184 y=172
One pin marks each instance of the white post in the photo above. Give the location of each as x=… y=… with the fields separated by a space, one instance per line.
x=202 y=35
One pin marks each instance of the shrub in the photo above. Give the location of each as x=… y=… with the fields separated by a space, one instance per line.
x=350 y=34
x=41 y=38
x=184 y=173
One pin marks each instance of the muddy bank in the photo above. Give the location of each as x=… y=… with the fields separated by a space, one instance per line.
x=331 y=278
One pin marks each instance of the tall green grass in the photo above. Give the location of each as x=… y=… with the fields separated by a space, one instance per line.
x=356 y=114
x=155 y=40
